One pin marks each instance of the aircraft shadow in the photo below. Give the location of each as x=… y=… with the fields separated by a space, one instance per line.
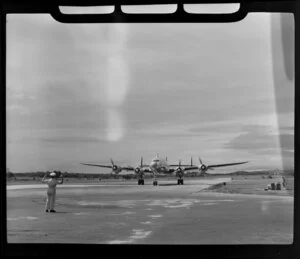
x=167 y=184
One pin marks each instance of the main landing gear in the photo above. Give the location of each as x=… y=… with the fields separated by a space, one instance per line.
x=155 y=183
x=141 y=182
x=180 y=181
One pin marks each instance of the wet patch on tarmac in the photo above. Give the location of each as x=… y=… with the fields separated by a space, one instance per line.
x=173 y=203
x=136 y=235
x=128 y=213
x=18 y=218
x=139 y=234
x=150 y=216
x=81 y=213
x=166 y=203
x=112 y=204
x=184 y=203
x=154 y=216
x=146 y=222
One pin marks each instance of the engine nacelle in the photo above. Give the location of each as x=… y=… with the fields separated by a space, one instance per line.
x=116 y=169
x=179 y=170
x=139 y=172
x=202 y=168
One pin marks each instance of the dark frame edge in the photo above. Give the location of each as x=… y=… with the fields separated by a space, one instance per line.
x=245 y=251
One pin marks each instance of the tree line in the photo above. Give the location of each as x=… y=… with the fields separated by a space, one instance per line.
x=40 y=174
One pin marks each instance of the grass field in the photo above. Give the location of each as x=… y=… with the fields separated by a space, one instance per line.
x=255 y=185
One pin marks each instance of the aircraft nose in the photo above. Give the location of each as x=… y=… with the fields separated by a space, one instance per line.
x=153 y=164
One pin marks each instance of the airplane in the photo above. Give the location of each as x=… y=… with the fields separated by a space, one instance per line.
x=161 y=166
x=139 y=170
x=115 y=168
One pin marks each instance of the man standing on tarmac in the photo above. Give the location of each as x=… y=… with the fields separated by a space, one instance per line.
x=51 y=192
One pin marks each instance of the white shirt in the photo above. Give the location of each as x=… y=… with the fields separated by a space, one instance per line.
x=52 y=182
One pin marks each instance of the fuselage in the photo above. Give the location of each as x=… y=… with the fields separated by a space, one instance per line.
x=159 y=165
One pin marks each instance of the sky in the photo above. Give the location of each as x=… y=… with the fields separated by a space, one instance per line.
x=85 y=93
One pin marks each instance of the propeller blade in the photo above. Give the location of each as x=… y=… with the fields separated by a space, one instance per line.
x=141 y=161
x=200 y=161
x=179 y=162
x=112 y=162
x=191 y=161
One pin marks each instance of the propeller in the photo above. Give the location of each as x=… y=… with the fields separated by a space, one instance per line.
x=138 y=169
x=200 y=160
x=114 y=167
x=112 y=161
x=179 y=169
x=202 y=166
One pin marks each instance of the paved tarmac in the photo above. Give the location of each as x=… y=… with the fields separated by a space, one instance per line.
x=125 y=213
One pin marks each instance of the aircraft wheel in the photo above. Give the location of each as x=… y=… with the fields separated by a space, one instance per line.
x=181 y=181
x=178 y=181
x=155 y=183
x=142 y=181
x=139 y=182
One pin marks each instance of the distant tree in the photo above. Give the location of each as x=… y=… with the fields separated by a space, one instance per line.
x=9 y=174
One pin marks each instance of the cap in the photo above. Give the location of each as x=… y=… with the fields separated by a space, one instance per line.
x=53 y=174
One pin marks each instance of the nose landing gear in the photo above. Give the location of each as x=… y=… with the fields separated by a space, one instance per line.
x=141 y=182
x=180 y=181
x=155 y=183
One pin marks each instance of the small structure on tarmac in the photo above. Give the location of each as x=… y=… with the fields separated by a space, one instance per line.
x=278 y=186
x=274 y=186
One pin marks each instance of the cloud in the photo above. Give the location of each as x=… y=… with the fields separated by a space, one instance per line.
x=179 y=90
x=66 y=139
x=262 y=140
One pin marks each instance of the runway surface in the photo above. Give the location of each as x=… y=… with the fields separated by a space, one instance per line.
x=125 y=213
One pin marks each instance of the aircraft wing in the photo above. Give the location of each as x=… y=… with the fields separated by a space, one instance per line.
x=229 y=164
x=105 y=166
x=186 y=168
x=180 y=165
x=190 y=168
x=128 y=168
x=146 y=169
